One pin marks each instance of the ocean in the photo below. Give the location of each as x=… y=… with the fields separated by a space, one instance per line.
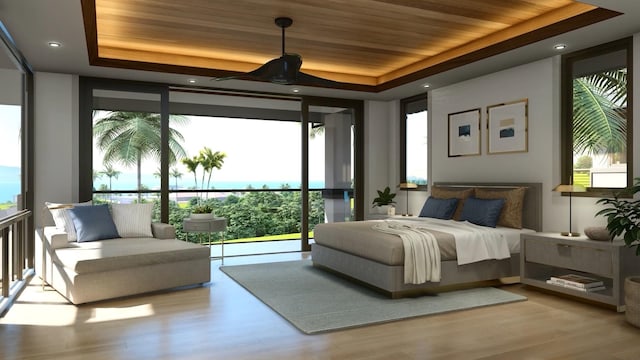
x=10 y=183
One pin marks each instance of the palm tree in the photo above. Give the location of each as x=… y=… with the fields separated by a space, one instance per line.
x=210 y=160
x=129 y=137
x=192 y=165
x=110 y=172
x=599 y=113
x=176 y=174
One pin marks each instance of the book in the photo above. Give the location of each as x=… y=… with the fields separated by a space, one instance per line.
x=583 y=289
x=577 y=281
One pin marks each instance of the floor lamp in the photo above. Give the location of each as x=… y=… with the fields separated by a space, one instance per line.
x=406 y=187
x=571 y=188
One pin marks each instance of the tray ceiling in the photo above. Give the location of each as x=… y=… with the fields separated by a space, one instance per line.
x=370 y=45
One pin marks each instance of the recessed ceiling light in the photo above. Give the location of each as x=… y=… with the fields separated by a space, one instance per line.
x=426 y=86
x=192 y=81
x=559 y=46
x=54 y=44
x=295 y=90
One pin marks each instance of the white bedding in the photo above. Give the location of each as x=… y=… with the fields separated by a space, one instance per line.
x=474 y=243
x=421 y=251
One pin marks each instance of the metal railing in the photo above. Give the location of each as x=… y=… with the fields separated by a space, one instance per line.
x=340 y=198
x=16 y=256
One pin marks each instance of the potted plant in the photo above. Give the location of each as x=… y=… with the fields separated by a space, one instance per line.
x=202 y=211
x=384 y=202
x=623 y=219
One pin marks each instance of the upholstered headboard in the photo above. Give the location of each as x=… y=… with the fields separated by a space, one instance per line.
x=532 y=208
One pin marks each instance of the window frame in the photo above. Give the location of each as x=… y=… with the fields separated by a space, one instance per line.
x=566 y=128
x=404 y=104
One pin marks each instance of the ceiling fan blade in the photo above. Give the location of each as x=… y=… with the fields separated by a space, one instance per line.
x=308 y=79
x=284 y=70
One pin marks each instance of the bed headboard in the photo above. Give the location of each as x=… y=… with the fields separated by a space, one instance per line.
x=532 y=209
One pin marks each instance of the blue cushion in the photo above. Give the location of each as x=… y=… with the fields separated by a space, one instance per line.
x=439 y=208
x=483 y=212
x=93 y=222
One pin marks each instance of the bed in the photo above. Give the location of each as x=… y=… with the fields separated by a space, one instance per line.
x=359 y=252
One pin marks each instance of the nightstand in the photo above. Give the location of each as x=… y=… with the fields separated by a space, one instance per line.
x=543 y=255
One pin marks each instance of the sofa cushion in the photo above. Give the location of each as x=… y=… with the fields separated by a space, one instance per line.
x=93 y=222
x=132 y=220
x=61 y=216
x=116 y=254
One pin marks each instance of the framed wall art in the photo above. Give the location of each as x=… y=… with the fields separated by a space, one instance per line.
x=464 y=133
x=507 y=129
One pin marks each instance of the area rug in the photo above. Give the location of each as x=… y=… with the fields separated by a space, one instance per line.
x=316 y=301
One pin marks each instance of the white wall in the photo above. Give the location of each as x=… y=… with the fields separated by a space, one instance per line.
x=381 y=148
x=539 y=82
x=56 y=139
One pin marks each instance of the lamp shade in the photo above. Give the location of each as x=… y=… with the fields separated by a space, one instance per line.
x=571 y=188
x=405 y=186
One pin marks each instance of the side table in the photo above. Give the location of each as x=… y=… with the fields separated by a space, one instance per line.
x=543 y=255
x=208 y=226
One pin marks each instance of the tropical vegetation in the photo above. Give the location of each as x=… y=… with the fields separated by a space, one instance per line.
x=129 y=137
x=253 y=214
x=623 y=215
x=600 y=115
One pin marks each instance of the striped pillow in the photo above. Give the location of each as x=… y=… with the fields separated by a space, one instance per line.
x=62 y=219
x=132 y=220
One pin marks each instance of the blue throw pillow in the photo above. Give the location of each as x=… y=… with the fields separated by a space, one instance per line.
x=93 y=223
x=439 y=208
x=482 y=211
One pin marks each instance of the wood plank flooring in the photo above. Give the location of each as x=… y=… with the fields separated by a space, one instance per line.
x=223 y=321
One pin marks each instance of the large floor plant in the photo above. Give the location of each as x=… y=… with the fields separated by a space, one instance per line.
x=623 y=218
x=623 y=215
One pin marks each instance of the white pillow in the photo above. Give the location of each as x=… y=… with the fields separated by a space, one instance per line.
x=132 y=220
x=62 y=219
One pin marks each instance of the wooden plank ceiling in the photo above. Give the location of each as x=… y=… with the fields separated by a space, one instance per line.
x=371 y=45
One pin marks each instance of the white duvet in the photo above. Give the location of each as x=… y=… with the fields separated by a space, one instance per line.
x=473 y=243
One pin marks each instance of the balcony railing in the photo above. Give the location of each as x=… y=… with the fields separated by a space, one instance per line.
x=252 y=214
x=16 y=258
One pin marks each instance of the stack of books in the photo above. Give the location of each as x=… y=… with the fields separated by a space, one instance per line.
x=577 y=282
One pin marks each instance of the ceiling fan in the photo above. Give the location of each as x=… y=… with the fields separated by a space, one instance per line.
x=284 y=70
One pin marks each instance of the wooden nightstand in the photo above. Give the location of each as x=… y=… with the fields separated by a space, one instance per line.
x=543 y=255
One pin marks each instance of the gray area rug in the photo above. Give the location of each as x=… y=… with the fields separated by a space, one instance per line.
x=316 y=301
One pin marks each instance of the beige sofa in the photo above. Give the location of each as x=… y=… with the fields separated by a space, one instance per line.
x=98 y=270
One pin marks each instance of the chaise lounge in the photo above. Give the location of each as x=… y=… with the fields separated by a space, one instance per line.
x=114 y=267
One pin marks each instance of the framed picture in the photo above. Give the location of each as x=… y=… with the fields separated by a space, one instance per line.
x=464 y=133
x=507 y=127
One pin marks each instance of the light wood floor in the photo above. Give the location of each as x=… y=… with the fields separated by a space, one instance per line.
x=223 y=321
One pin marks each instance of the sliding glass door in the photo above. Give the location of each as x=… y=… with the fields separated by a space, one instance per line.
x=125 y=141
x=284 y=163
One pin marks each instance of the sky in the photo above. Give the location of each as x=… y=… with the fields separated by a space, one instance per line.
x=256 y=150
x=10 y=135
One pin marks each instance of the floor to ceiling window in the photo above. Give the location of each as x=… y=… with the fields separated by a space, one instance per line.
x=254 y=160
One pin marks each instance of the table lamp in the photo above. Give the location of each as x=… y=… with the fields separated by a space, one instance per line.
x=571 y=188
x=406 y=186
